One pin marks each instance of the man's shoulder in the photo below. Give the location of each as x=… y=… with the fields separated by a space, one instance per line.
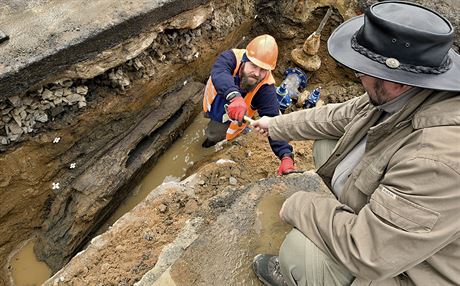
x=359 y=103
x=267 y=88
x=225 y=60
x=439 y=110
x=227 y=54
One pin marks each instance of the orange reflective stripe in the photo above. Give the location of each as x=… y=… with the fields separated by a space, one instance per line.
x=209 y=95
x=230 y=130
x=234 y=130
x=239 y=56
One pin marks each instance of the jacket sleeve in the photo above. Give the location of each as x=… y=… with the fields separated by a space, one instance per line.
x=324 y=122
x=266 y=104
x=222 y=73
x=412 y=214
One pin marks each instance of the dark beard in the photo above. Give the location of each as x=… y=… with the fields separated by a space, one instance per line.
x=380 y=93
x=246 y=86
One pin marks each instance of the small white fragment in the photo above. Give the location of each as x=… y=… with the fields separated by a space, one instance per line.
x=185 y=82
x=73 y=165
x=223 y=161
x=56 y=186
x=56 y=140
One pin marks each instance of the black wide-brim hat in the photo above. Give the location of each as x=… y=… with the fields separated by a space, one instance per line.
x=400 y=42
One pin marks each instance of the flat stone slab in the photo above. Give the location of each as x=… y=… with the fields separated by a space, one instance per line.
x=45 y=37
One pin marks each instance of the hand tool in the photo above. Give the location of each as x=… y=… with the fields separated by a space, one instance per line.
x=311 y=44
x=245 y=118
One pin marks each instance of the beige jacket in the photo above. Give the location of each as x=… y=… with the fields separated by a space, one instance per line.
x=397 y=221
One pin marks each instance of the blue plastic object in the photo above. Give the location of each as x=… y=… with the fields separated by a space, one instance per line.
x=294 y=82
x=312 y=99
x=283 y=97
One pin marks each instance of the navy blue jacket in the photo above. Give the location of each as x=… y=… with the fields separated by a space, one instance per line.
x=264 y=101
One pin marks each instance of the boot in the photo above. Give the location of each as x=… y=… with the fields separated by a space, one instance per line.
x=208 y=143
x=267 y=269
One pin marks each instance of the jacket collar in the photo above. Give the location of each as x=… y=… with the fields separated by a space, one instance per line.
x=399 y=102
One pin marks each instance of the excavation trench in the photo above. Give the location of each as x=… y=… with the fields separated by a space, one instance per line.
x=137 y=120
x=97 y=135
x=86 y=136
x=171 y=166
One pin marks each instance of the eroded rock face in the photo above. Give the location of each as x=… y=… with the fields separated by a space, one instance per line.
x=86 y=199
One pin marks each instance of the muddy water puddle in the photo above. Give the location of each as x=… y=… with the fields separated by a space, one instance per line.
x=171 y=166
x=270 y=233
x=26 y=270
x=269 y=227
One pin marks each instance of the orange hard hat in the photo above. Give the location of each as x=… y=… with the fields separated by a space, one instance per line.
x=263 y=52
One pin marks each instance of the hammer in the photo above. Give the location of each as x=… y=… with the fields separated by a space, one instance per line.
x=248 y=119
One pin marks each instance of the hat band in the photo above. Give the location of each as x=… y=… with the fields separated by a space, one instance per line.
x=445 y=66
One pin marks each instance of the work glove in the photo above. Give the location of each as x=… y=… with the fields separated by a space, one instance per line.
x=287 y=166
x=237 y=109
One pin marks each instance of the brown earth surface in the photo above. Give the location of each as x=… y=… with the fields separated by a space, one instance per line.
x=135 y=249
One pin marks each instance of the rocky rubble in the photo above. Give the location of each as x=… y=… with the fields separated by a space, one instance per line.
x=20 y=114
x=163 y=50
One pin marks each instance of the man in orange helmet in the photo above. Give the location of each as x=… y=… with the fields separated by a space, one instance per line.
x=242 y=80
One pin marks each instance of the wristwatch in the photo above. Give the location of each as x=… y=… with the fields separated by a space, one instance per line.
x=232 y=95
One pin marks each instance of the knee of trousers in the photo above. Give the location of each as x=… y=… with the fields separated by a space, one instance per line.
x=296 y=249
x=303 y=263
x=216 y=131
x=298 y=256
